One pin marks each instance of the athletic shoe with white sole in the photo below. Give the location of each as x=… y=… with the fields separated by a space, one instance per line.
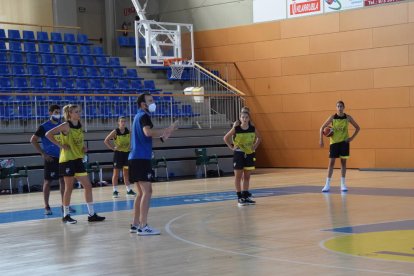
x=67 y=219
x=147 y=231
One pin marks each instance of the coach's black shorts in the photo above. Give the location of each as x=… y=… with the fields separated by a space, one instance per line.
x=72 y=168
x=339 y=150
x=120 y=159
x=140 y=170
x=242 y=161
x=51 y=169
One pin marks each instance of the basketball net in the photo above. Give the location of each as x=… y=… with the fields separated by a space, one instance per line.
x=176 y=66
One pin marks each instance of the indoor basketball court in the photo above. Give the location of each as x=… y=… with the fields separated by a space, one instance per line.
x=305 y=70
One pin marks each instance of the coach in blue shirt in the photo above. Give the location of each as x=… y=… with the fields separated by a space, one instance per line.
x=140 y=170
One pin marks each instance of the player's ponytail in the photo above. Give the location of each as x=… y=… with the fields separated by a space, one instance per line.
x=67 y=109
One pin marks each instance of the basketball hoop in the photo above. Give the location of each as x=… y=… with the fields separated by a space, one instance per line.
x=177 y=67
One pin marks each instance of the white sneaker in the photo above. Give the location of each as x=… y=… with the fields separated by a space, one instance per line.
x=344 y=188
x=326 y=188
x=147 y=230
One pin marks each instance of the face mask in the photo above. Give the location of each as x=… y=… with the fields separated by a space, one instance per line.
x=56 y=117
x=152 y=107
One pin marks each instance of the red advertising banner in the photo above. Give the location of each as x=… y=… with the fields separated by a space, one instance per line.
x=301 y=8
x=379 y=2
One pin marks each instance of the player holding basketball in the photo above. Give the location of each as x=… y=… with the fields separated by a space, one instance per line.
x=339 y=142
x=139 y=160
x=72 y=151
x=245 y=140
x=121 y=145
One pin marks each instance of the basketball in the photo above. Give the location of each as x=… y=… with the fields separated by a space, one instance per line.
x=328 y=131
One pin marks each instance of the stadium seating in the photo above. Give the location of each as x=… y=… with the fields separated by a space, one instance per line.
x=29 y=36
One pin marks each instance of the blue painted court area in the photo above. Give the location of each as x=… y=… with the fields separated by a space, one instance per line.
x=121 y=205
x=376 y=227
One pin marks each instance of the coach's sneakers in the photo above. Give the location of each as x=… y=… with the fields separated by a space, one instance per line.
x=133 y=229
x=131 y=193
x=249 y=201
x=95 y=217
x=67 y=219
x=48 y=211
x=241 y=202
x=344 y=188
x=326 y=188
x=147 y=231
x=115 y=194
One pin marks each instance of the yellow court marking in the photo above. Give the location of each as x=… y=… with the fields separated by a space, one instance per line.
x=388 y=245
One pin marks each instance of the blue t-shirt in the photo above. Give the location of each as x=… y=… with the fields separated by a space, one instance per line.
x=141 y=145
x=48 y=147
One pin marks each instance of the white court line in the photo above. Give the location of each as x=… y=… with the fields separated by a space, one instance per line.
x=172 y=234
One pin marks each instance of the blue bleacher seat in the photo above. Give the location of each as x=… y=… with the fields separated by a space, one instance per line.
x=24 y=111
x=69 y=38
x=72 y=50
x=3 y=47
x=131 y=41
x=32 y=58
x=123 y=41
x=37 y=84
x=20 y=84
x=105 y=72
x=119 y=73
x=75 y=61
x=13 y=34
x=4 y=69
x=79 y=72
x=15 y=46
x=187 y=110
x=42 y=37
x=16 y=58
x=124 y=86
x=56 y=37
x=82 y=39
x=61 y=60
x=44 y=48
x=34 y=70
x=19 y=70
x=30 y=47
x=109 y=85
x=53 y=84
x=150 y=85
x=68 y=84
x=102 y=62
x=92 y=111
x=58 y=49
x=85 y=50
x=3 y=57
x=132 y=74
x=2 y=35
x=96 y=85
x=6 y=110
x=64 y=72
x=114 y=62
x=136 y=86
x=47 y=59
x=42 y=111
x=5 y=84
x=98 y=51
x=92 y=72
x=29 y=36
x=82 y=85
x=50 y=71
x=88 y=61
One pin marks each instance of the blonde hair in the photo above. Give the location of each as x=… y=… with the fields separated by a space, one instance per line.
x=67 y=109
x=245 y=109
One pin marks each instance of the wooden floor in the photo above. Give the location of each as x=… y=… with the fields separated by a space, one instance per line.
x=293 y=230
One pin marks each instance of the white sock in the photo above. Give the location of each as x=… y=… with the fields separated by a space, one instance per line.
x=342 y=180
x=65 y=211
x=128 y=188
x=115 y=188
x=328 y=181
x=91 y=210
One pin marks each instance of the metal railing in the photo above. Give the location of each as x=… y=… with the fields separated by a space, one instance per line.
x=24 y=112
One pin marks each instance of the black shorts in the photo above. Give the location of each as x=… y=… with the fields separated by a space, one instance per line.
x=140 y=170
x=242 y=161
x=72 y=168
x=51 y=169
x=339 y=150
x=120 y=159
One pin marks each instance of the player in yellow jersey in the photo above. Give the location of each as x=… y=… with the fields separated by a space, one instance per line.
x=339 y=142
x=243 y=141
x=121 y=145
x=72 y=151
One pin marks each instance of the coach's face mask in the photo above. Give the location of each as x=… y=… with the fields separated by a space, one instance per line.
x=56 y=117
x=152 y=107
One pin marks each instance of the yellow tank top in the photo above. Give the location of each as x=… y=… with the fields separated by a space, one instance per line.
x=122 y=140
x=75 y=141
x=340 y=128
x=244 y=138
